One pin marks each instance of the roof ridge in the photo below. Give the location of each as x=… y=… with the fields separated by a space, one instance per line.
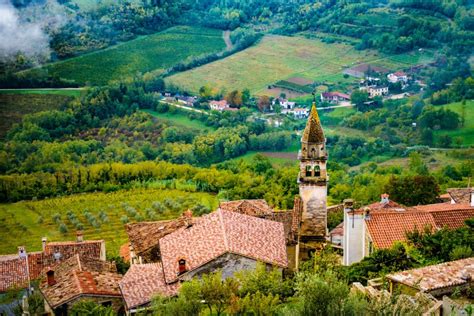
x=221 y=219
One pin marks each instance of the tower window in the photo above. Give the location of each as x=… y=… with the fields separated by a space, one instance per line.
x=317 y=171
x=308 y=171
x=313 y=152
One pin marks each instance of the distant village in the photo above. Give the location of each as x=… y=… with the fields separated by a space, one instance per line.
x=238 y=235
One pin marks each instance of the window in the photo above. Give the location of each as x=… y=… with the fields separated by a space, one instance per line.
x=313 y=152
x=317 y=171
x=182 y=266
x=308 y=171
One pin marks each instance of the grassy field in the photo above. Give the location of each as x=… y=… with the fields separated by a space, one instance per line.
x=14 y=105
x=20 y=222
x=179 y=119
x=277 y=58
x=155 y=52
x=466 y=132
x=71 y=92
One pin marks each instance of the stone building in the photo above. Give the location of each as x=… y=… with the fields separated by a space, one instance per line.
x=312 y=181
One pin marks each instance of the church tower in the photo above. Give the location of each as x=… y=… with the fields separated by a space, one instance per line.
x=312 y=181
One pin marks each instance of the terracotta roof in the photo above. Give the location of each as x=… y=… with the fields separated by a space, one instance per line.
x=124 y=252
x=313 y=133
x=338 y=230
x=462 y=195
x=78 y=276
x=142 y=282
x=223 y=232
x=447 y=206
x=382 y=206
x=452 y=219
x=337 y=94
x=387 y=227
x=286 y=218
x=13 y=271
x=220 y=104
x=257 y=208
x=145 y=235
x=437 y=276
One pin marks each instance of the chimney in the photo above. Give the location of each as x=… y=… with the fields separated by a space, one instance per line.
x=384 y=198
x=50 y=277
x=21 y=252
x=79 y=236
x=43 y=242
x=472 y=197
x=188 y=218
x=181 y=266
x=348 y=205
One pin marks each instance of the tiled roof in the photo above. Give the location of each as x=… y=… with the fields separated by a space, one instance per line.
x=387 y=227
x=437 y=276
x=462 y=196
x=313 y=132
x=286 y=218
x=257 y=208
x=442 y=207
x=124 y=252
x=13 y=271
x=145 y=235
x=381 y=206
x=223 y=232
x=78 y=276
x=220 y=104
x=338 y=230
x=142 y=282
x=452 y=219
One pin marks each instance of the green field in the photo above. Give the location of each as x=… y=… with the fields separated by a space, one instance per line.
x=71 y=92
x=20 y=225
x=14 y=105
x=179 y=119
x=277 y=58
x=155 y=52
x=466 y=132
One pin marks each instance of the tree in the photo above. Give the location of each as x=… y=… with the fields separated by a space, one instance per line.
x=263 y=103
x=413 y=190
x=245 y=96
x=358 y=98
x=234 y=98
x=217 y=293
x=89 y=307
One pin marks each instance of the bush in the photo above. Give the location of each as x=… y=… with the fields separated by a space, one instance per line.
x=63 y=228
x=124 y=219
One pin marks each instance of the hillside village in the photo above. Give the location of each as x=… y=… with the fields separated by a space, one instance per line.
x=240 y=235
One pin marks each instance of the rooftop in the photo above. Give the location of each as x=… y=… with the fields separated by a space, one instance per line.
x=257 y=208
x=461 y=195
x=219 y=233
x=437 y=276
x=142 y=282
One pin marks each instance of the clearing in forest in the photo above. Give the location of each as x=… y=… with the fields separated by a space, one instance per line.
x=156 y=52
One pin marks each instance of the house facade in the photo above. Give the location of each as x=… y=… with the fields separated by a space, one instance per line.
x=398 y=76
x=334 y=97
x=218 y=105
x=285 y=104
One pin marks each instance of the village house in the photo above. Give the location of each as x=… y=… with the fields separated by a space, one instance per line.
x=187 y=100
x=300 y=113
x=364 y=70
x=334 y=97
x=398 y=76
x=79 y=278
x=375 y=91
x=381 y=224
x=218 y=105
x=225 y=240
x=285 y=104
x=17 y=270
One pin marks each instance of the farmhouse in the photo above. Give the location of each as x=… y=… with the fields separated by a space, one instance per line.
x=375 y=91
x=285 y=104
x=398 y=76
x=218 y=105
x=334 y=97
x=380 y=225
x=80 y=278
x=18 y=269
x=187 y=101
x=363 y=70
x=299 y=113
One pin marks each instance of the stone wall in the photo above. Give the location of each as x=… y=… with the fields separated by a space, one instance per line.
x=314 y=218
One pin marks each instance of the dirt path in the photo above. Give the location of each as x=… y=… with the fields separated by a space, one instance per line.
x=228 y=42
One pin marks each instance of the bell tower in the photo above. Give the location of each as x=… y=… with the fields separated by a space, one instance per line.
x=312 y=181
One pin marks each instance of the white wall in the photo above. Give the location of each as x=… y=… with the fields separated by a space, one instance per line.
x=354 y=237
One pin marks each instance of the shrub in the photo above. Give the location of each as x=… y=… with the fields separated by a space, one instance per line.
x=63 y=228
x=124 y=219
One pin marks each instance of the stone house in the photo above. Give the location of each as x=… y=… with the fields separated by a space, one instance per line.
x=17 y=270
x=79 y=278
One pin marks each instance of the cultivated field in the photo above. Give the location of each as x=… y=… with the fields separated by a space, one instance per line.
x=466 y=132
x=277 y=58
x=155 y=52
x=24 y=223
x=14 y=105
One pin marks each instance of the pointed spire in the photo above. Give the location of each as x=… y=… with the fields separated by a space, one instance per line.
x=313 y=133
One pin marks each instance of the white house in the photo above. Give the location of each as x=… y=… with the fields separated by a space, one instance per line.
x=334 y=97
x=375 y=91
x=285 y=104
x=398 y=76
x=300 y=113
x=218 y=105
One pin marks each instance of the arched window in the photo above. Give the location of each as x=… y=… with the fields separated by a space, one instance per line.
x=308 y=171
x=317 y=171
x=313 y=152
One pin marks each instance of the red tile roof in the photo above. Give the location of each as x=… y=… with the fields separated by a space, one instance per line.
x=223 y=232
x=387 y=227
x=338 y=230
x=142 y=282
x=78 y=276
x=452 y=219
x=442 y=207
x=448 y=274
x=462 y=195
x=257 y=208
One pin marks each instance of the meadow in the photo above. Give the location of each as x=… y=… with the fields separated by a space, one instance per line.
x=100 y=215
x=179 y=119
x=14 y=104
x=156 y=52
x=277 y=58
x=466 y=132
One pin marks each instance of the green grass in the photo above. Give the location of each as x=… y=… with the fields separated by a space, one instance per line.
x=155 y=52
x=277 y=58
x=71 y=92
x=466 y=132
x=19 y=221
x=14 y=105
x=179 y=119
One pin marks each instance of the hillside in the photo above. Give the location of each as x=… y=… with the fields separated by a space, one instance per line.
x=155 y=52
x=277 y=58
